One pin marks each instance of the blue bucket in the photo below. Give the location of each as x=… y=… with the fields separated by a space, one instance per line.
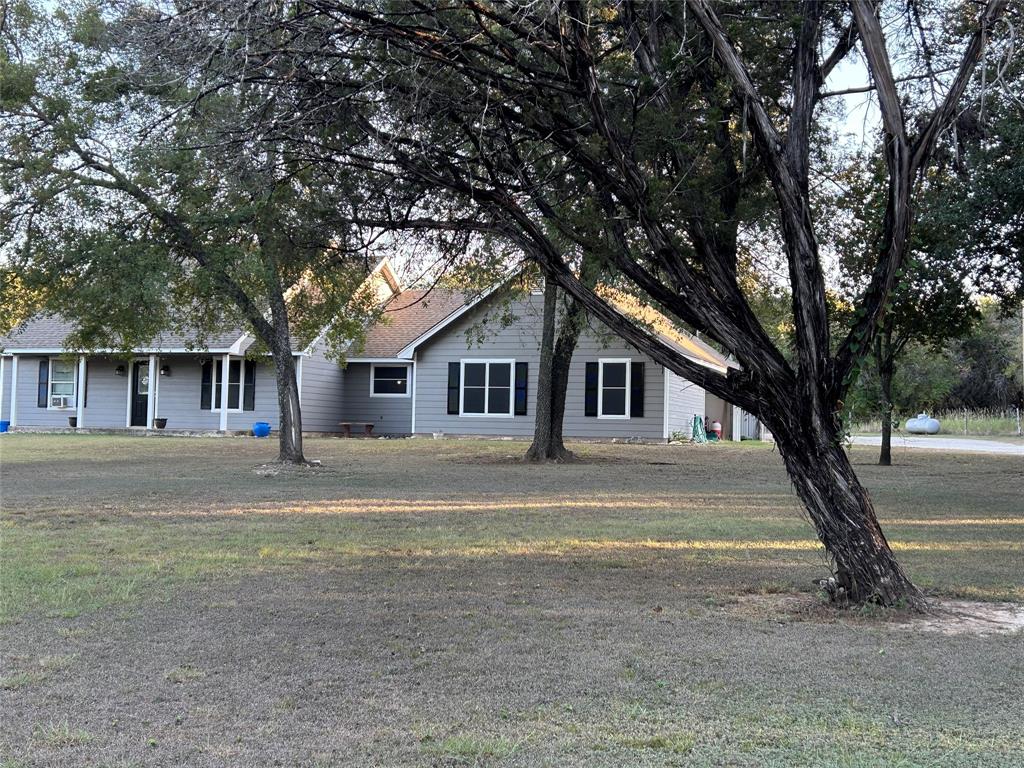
x=5 y=425
x=261 y=429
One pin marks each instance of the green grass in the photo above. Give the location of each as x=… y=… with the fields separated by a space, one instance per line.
x=61 y=734
x=125 y=517
x=469 y=748
x=978 y=423
x=472 y=610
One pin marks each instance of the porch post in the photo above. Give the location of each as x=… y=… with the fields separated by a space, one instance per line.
x=156 y=388
x=3 y=360
x=14 y=390
x=128 y=406
x=225 y=374
x=298 y=376
x=80 y=393
x=151 y=392
x=737 y=423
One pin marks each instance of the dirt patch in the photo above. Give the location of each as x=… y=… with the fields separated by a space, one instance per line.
x=947 y=617
x=969 y=617
x=275 y=468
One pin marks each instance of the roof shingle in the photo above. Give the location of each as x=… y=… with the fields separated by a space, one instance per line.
x=48 y=332
x=406 y=317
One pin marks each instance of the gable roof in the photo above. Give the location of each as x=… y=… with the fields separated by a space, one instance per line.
x=46 y=334
x=407 y=316
x=683 y=342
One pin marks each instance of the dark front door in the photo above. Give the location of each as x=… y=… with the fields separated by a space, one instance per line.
x=140 y=393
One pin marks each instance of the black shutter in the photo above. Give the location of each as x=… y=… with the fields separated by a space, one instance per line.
x=206 y=387
x=521 y=379
x=454 y=371
x=44 y=383
x=85 y=397
x=636 y=390
x=590 y=390
x=249 y=390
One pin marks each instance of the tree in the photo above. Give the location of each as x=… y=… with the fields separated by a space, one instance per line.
x=972 y=193
x=933 y=300
x=648 y=108
x=117 y=194
x=664 y=121
x=988 y=363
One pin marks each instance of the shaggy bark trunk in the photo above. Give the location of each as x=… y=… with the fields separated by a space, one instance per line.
x=553 y=378
x=865 y=568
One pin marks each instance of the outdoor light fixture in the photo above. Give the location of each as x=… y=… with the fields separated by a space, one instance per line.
x=120 y=370
x=165 y=370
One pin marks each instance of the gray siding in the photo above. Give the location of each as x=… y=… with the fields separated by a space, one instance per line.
x=323 y=383
x=521 y=341
x=5 y=391
x=685 y=400
x=29 y=414
x=389 y=415
x=177 y=399
x=107 y=403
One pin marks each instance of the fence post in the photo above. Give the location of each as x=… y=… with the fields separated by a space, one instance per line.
x=1018 y=421
x=965 y=421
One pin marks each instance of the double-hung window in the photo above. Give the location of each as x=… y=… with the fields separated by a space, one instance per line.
x=613 y=388
x=389 y=380
x=62 y=384
x=486 y=388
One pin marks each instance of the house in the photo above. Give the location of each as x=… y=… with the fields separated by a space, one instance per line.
x=436 y=362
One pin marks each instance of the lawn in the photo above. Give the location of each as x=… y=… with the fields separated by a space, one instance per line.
x=174 y=601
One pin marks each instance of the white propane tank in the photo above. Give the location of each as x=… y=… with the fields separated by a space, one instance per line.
x=922 y=424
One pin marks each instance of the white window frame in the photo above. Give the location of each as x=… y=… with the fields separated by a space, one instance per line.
x=600 y=386
x=73 y=397
x=487 y=387
x=215 y=385
x=408 y=379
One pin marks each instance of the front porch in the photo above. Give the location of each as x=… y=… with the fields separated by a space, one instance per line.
x=182 y=391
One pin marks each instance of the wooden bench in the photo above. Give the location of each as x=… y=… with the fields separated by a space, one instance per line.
x=346 y=427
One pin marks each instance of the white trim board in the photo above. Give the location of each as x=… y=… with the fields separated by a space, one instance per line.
x=14 y=352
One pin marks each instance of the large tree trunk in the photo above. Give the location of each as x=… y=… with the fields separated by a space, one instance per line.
x=553 y=377
x=865 y=568
x=885 y=382
x=885 y=359
x=290 y=433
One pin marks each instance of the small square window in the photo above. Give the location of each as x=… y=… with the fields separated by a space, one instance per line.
x=389 y=380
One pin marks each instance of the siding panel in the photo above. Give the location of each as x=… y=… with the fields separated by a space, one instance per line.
x=323 y=386
x=389 y=415
x=520 y=340
x=685 y=400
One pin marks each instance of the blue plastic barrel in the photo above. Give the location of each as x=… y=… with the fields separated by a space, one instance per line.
x=261 y=429
x=5 y=425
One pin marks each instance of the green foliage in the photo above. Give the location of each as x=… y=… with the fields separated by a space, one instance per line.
x=129 y=208
x=921 y=382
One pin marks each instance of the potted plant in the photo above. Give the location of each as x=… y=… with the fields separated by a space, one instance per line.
x=160 y=422
x=73 y=422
